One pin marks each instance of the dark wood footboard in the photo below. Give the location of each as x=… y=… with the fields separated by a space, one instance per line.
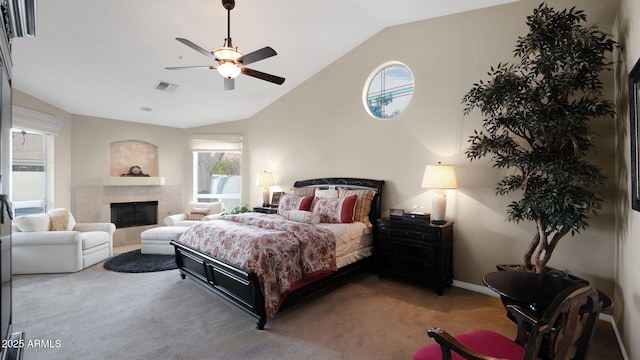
x=240 y=287
x=243 y=288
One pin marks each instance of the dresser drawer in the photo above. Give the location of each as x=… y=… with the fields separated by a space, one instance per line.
x=412 y=268
x=408 y=233
x=410 y=249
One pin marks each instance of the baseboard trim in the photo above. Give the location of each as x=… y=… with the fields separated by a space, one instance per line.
x=486 y=291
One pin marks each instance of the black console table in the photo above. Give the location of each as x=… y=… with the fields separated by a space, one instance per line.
x=535 y=290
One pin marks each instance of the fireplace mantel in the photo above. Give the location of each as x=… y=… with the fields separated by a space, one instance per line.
x=132 y=181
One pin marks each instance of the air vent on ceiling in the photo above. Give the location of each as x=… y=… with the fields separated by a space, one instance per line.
x=165 y=86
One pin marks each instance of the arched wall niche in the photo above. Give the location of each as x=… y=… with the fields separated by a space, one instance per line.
x=124 y=154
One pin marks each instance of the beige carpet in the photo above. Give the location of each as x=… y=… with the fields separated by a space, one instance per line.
x=99 y=314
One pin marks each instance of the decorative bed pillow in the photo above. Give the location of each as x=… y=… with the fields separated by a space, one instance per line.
x=59 y=219
x=33 y=222
x=290 y=202
x=302 y=216
x=304 y=192
x=363 y=204
x=339 y=210
x=327 y=194
x=198 y=213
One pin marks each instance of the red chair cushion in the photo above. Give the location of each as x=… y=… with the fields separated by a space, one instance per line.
x=483 y=341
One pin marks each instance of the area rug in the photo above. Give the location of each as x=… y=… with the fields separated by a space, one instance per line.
x=136 y=262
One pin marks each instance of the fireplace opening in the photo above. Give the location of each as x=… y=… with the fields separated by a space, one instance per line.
x=137 y=213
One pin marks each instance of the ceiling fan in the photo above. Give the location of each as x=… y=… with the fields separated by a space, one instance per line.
x=230 y=61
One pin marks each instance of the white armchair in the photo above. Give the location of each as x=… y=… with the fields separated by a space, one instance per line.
x=55 y=243
x=194 y=213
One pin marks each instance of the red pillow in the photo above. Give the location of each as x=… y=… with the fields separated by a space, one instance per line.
x=290 y=202
x=339 y=210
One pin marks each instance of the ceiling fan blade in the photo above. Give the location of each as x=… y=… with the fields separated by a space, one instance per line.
x=196 y=47
x=263 y=76
x=257 y=55
x=229 y=84
x=205 y=67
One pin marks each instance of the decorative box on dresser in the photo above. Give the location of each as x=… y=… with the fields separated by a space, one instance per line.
x=416 y=250
x=265 y=210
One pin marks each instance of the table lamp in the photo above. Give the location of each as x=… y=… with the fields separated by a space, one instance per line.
x=265 y=179
x=439 y=177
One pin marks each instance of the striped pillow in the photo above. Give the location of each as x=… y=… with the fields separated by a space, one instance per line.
x=196 y=215
x=363 y=204
x=305 y=191
x=302 y=216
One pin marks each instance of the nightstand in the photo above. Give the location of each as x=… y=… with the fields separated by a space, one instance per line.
x=416 y=250
x=265 y=210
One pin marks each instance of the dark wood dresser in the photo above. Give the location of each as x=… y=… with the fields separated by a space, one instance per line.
x=415 y=250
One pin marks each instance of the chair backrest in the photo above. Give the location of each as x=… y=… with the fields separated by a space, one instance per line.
x=567 y=326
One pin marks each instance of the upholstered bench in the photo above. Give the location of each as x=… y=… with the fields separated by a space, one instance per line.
x=157 y=240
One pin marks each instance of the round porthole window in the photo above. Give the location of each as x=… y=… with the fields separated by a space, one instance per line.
x=388 y=90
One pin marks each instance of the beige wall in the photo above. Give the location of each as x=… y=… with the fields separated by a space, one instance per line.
x=81 y=151
x=320 y=129
x=93 y=136
x=627 y=294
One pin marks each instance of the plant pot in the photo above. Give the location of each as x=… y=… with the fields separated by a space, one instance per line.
x=548 y=271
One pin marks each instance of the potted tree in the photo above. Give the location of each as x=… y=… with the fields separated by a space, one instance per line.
x=536 y=113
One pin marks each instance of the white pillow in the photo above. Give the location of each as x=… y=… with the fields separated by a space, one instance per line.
x=327 y=194
x=302 y=216
x=33 y=222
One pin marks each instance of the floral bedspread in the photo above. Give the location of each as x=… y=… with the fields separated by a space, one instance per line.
x=279 y=251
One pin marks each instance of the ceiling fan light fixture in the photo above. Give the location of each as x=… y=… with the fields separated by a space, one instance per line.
x=227 y=53
x=231 y=62
x=229 y=70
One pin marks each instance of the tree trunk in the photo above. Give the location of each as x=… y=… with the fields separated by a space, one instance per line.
x=530 y=250
x=541 y=247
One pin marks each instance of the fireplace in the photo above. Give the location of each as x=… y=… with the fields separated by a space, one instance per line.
x=137 y=213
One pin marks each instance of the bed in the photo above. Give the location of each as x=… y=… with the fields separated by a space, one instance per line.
x=264 y=263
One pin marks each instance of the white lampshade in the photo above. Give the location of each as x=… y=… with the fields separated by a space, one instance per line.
x=265 y=179
x=439 y=177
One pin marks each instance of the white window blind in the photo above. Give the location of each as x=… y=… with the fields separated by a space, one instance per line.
x=216 y=142
x=31 y=120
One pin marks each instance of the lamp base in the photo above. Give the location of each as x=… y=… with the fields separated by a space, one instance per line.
x=438 y=222
x=266 y=197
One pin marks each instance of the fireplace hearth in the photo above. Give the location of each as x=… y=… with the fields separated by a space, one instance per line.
x=138 y=213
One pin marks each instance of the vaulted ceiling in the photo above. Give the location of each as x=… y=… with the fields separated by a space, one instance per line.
x=105 y=58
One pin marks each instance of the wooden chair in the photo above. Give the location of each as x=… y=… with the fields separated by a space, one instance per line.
x=564 y=332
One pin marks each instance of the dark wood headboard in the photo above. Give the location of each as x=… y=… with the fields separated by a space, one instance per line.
x=351 y=183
